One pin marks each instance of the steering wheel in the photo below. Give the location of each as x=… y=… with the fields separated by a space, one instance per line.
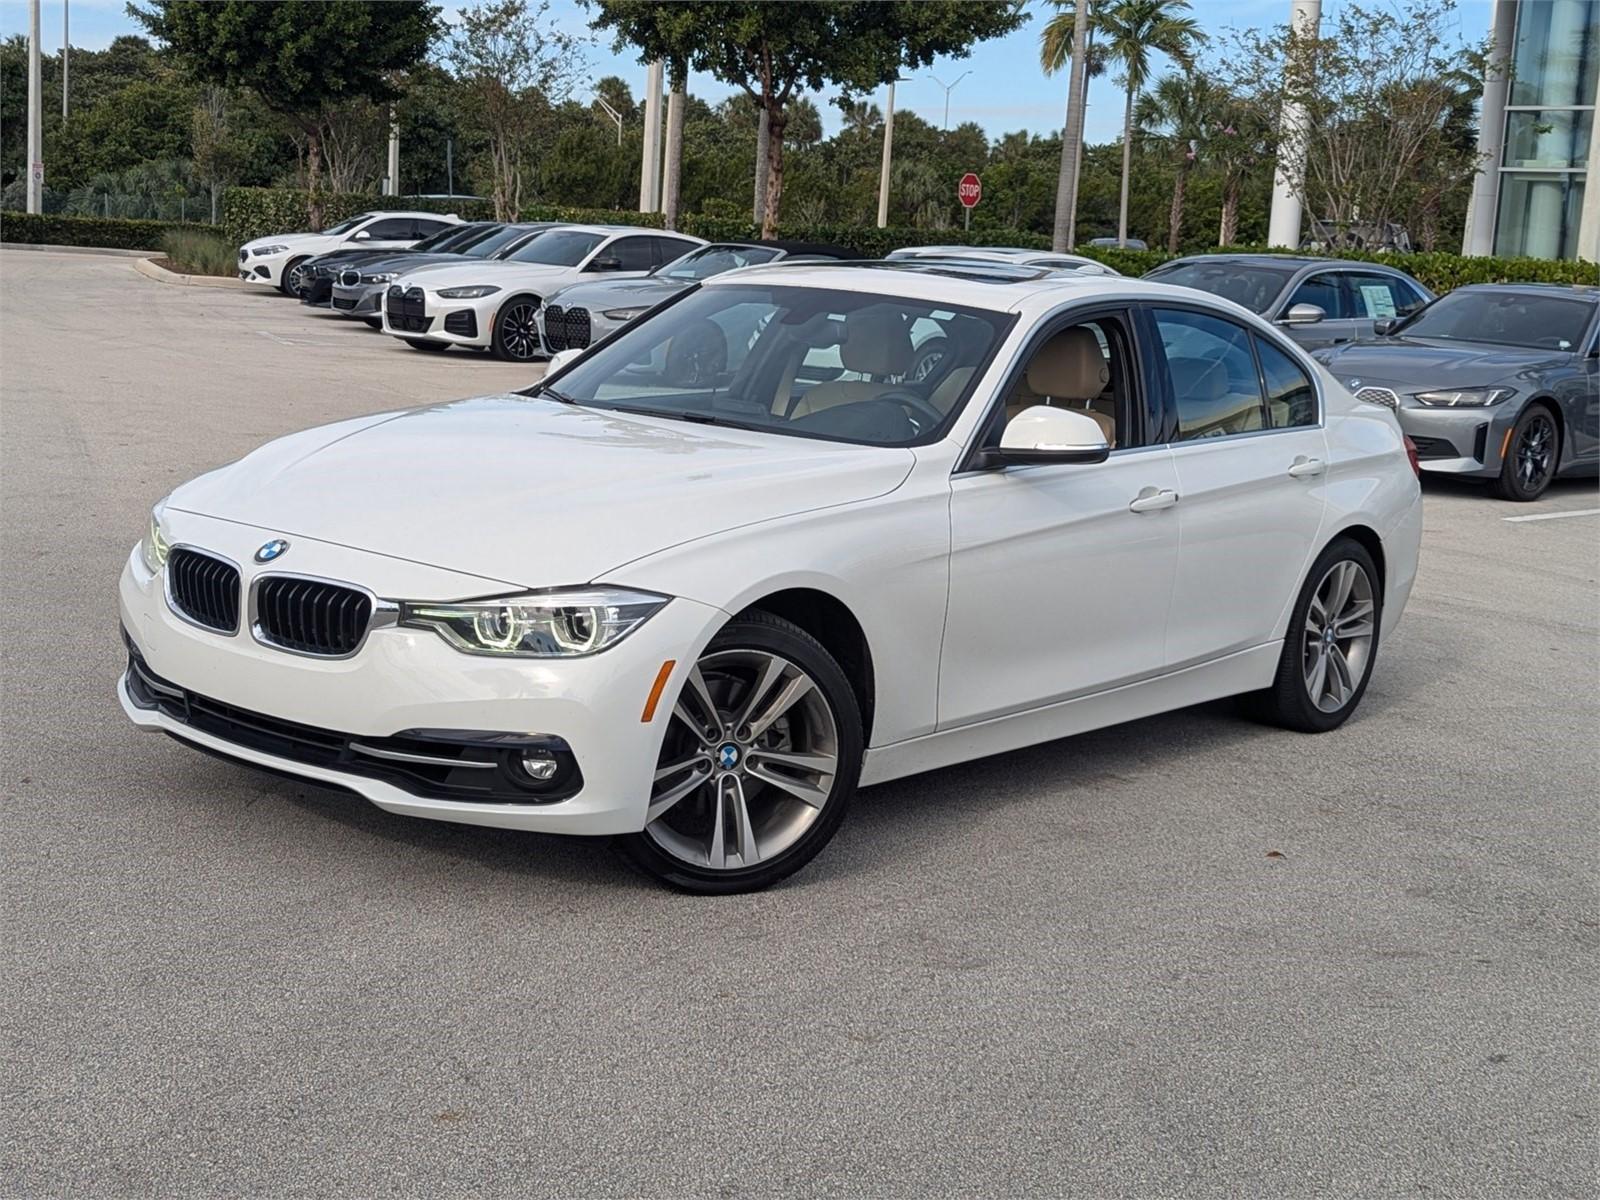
x=921 y=414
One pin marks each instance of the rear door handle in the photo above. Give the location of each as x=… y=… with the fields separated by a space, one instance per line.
x=1304 y=468
x=1149 y=500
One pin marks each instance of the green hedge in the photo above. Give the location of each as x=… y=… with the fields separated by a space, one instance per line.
x=112 y=233
x=249 y=213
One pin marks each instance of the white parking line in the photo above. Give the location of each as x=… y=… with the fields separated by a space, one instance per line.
x=1580 y=512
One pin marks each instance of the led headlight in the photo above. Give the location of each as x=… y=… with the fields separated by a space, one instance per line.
x=1466 y=397
x=380 y=277
x=623 y=314
x=154 y=547
x=468 y=293
x=263 y=251
x=564 y=624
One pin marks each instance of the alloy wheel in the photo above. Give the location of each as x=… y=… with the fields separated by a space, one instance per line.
x=748 y=763
x=294 y=283
x=1338 y=635
x=519 y=331
x=1535 y=452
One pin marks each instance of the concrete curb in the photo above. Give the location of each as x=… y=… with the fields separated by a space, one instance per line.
x=149 y=269
x=107 y=250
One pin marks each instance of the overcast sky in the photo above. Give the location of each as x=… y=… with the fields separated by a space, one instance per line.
x=1004 y=91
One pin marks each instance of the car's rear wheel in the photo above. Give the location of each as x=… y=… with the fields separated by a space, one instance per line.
x=1530 y=458
x=516 y=331
x=758 y=763
x=293 y=281
x=1331 y=643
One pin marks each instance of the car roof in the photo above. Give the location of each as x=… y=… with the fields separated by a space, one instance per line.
x=995 y=286
x=402 y=212
x=1582 y=290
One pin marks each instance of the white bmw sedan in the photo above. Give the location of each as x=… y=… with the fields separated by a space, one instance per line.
x=696 y=612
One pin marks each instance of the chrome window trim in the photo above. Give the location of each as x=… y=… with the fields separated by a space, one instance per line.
x=385 y=613
x=166 y=588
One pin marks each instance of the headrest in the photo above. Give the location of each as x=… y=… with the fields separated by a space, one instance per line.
x=1069 y=366
x=876 y=343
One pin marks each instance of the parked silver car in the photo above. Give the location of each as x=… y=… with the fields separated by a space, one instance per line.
x=1492 y=381
x=1317 y=301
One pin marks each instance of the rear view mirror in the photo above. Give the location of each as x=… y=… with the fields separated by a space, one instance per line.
x=1303 y=314
x=1042 y=434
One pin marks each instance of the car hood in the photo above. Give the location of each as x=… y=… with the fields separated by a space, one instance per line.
x=618 y=293
x=530 y=491
x=1430 y=363
x=505 y=274
x=294 y=241
x=343 y=258
x=406 y=263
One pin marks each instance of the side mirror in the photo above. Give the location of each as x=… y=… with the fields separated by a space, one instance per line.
x=361 y=235
x=606 y=264
x=1384 y=327
x=1042 y=434
x=559 y=360
x=1303 y=314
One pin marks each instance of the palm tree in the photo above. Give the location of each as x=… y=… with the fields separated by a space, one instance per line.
x=1130 y=30
x=1181 y=113
x=1058 y=46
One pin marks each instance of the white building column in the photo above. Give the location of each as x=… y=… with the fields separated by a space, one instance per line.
x=1484 y=203
x=35 y=114
x=1283 y=223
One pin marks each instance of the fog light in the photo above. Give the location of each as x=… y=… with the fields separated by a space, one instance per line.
x=539 y=765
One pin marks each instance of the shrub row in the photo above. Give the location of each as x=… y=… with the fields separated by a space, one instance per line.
x=114 y=233
x=259 y=212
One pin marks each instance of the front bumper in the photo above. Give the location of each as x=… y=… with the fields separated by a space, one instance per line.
x=360 y=300
x=403 y=682
x=1458 y=441
x=415 y=313
x=266 y=271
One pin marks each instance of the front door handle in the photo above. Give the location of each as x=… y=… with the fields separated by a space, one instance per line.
x=1304 y=468
x=1150 y=499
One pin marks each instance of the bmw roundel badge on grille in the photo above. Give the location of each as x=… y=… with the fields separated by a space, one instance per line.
x=272 y=550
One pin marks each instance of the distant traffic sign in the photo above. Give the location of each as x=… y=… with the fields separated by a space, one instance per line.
x=970 y=190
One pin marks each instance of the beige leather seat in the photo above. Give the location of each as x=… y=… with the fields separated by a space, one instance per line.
x=1069 y=368
x=876 y=343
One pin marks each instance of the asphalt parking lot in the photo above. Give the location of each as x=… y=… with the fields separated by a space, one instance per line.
x=1188 y=956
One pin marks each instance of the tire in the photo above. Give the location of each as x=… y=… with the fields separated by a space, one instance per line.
x=1532 y=452
x=516 y=330
x=1290 y=702
x=927 y=359
x=720 y=809
x=287 y=277
x=425 y=344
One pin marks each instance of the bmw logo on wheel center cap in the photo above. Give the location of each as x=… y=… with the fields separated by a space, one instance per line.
x=271 y=550
x=727 y=756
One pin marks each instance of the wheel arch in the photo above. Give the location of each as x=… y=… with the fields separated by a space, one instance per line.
x=1369 y=540
x=829 y=620
x=1553 y=406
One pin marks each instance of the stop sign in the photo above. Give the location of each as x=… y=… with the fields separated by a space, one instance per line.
x=970 y=190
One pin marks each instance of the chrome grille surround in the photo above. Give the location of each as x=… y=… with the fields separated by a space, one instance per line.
x=302 y=621
x=1379 y=395
x=202 y=589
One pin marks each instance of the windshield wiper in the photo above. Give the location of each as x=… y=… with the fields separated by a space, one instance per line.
x=671 y=415
x=560 y=397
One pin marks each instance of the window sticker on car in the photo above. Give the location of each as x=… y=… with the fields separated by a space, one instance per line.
x=1378 y=299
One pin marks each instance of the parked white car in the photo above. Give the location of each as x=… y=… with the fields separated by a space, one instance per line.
x=697 y=615
x=1015 y=255
x=274 y=261
x=494 y=305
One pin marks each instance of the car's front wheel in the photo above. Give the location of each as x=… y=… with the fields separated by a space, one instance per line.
x=516 y=331
x=1331 y=643
x=758 y=763
x=1530 y=458
x=294 y=279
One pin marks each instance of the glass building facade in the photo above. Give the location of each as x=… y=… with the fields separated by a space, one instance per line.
x=1548 y=135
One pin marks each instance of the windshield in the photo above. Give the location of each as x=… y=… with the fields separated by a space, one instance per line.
x=454 y=237
x=1504 y=319
x=1253 y=287
x=714 y=260
x=346 y=225
x=845 y=366
x=492 y=243
x=558 y=248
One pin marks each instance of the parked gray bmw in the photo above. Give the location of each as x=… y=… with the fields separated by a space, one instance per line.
x=1496 y=381
x=1316 y=301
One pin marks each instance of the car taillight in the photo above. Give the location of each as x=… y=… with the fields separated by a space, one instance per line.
x=1411 y=453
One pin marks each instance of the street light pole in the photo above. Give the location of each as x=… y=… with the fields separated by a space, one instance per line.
x=616 y=117
x=35 y=119
x=948 y=88
x=888 y=151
